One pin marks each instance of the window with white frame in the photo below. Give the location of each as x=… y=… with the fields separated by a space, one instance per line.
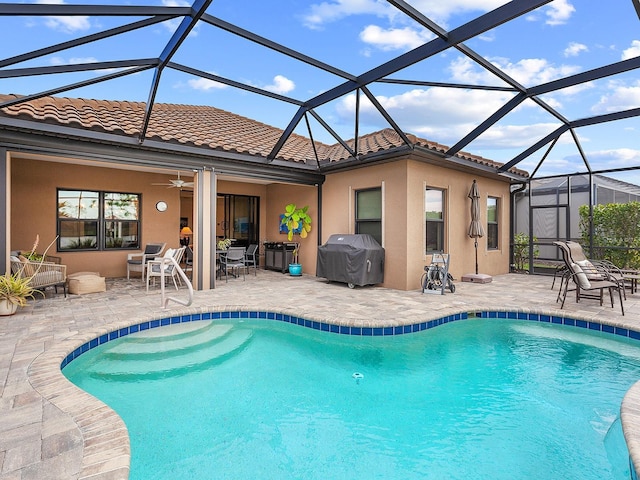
x=434 y=213
x=492 y=223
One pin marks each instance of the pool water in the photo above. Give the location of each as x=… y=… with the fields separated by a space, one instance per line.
x=475 y=399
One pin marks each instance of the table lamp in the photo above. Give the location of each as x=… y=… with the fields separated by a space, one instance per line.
x=184 y=233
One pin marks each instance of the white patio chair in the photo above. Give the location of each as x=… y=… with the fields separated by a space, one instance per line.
x=137 y=262
x=160 y=267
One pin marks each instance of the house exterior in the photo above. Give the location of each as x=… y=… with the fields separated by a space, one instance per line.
x=75 y=167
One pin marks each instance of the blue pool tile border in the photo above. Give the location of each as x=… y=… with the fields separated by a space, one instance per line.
x=344 y=329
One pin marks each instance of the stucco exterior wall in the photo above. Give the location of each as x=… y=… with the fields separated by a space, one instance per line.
x=458 y=244
x=338 y=214
x=403 y=185
x=34 y=209
x=279 y=196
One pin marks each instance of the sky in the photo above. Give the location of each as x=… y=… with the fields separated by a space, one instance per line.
x=562 y=38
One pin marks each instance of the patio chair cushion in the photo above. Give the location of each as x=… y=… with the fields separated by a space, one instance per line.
x=581 y=277
x=590 y=270
x=47 y=277
x=86 y=282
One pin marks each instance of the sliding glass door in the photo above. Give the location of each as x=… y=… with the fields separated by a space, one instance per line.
x=238 y=218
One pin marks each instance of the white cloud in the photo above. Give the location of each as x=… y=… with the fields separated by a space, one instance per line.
x=83 y=60
x=464 y=70
x=632 y=51
x=514 y=136
x=534 y=71
x=558 y=12
x=65 y=24
x=174 y=23
x=327 y=12
x=441 y=114
x=204 y=84
x=623 y=97
x=487 y=37
x=606 y=159
x=281 y=84
x=570 y=93
x=528 y=71
x=68 y=24
x=439 y=11
x=574 y=49
x=552 y=101
x=576 y=89
x=72 y=61
x=446 y=115
x=394 y=38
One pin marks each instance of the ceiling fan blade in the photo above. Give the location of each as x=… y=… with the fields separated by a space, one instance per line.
x=176 y=183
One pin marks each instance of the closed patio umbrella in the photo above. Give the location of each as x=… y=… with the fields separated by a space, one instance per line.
x=475 y=228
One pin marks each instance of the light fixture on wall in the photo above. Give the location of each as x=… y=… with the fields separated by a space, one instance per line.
x=184 y=234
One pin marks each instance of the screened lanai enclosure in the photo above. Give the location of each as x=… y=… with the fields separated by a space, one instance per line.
x=549 y=87
x=595 y=210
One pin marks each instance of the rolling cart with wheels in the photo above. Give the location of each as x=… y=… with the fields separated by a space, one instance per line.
x=436 y=277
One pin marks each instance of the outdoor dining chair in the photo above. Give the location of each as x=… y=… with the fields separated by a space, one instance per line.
x=251 y=258
x=137 y=262
x=232 y=261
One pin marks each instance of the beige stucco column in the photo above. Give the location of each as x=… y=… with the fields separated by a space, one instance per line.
x=5 y=209
x=204 y=233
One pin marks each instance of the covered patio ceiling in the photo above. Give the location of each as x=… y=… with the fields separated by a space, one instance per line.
x=427 y=61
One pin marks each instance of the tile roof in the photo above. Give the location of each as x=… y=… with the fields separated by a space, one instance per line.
x=205 y=126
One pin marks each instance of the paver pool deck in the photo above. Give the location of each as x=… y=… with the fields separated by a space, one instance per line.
x=50 y=429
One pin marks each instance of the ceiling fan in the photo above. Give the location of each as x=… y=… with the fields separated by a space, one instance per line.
x=176 y=183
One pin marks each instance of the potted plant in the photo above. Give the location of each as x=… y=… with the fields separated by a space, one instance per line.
x=297 y=222
x=15 y=289
x=224 y=244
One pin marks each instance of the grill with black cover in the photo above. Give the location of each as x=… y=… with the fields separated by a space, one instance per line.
x=354 y=259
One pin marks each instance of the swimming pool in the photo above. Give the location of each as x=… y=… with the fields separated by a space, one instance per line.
x=286 y=402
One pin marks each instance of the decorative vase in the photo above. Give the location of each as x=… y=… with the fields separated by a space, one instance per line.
x=7 y=308
x=295 y=269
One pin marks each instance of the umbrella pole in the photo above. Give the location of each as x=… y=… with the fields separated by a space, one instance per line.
x=476 y=245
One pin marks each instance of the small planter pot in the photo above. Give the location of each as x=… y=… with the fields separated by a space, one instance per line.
x=295 y=269
x=7 y=308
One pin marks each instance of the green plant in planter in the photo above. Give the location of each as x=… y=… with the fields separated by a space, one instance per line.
x=298 y=222
x=224 y=244
x=16 y=289
x=33 y=257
